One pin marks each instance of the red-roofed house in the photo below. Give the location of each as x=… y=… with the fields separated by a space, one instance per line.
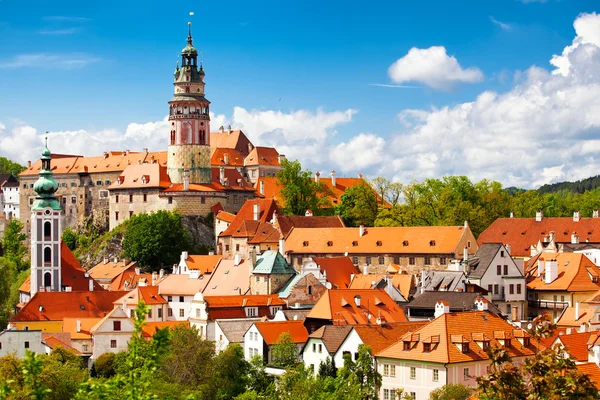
x=262 y=162
x=261 y=336
x=149 y=295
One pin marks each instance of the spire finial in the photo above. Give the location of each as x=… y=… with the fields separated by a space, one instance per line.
x=46 y=139
x=190 y=33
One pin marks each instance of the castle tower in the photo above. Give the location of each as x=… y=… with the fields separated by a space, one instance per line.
x=45 y=231
x=189 y=145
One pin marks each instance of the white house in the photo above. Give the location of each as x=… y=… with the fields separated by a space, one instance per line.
x=9 y=197
x=112 y=333
x=324 y=343
x=179 y=291
x=18 y=342
x=196 y=265
x=261 y=336
x=150 y=297
x=229 y=331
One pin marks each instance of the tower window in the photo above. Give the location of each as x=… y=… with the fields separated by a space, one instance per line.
x=47 y=230
x=47 y=279
x=47 y=255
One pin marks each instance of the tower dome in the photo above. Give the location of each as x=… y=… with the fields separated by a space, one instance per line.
x=46 y=186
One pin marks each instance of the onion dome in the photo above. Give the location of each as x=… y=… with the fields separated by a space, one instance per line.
x=46 y=186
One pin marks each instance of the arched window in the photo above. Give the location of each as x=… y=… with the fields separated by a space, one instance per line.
x=47 y=279
x=47 y=230
x=47 y=255
x=187 y=89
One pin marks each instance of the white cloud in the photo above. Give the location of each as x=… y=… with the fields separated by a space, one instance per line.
x=359 y=153
x=433 y=67
x=49 y=60
x=544 y=129
x=503 y=25
x=59 y=32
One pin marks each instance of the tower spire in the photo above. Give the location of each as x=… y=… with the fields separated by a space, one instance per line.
x=189 y=39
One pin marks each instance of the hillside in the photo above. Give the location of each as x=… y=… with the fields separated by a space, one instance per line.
x=580 y=186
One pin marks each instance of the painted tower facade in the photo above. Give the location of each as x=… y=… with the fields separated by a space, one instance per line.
x=46 y=229
x=189 y=144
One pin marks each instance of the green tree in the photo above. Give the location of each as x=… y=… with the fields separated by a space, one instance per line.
x=230 y=373
x=387 y=191
x=299 y=191
x=358 y=206
x=285 y=351
x=8 y=273
x=155 y=239
x=259 y=381
x=10 y=167
x=12 y=243
x=69 y=237
x=104 y=365
x=327 y=368
x=453 y=391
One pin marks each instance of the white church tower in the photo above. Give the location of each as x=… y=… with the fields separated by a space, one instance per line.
x=46 y=229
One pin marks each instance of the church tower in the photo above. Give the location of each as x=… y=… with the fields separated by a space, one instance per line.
x=45 y=231
x=189 y=144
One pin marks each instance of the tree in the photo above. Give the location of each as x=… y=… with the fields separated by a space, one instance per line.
x=69 y=237
x=12 y=243
x=104 y=365
x=8 y=273
x=10 y=167
x=453 y=391
x=386 y=190
x=230 y=373
x=155 y=239
x=299 y=191
x=285 y=351
x=327 y=368
x=358 y=206
x=258 y=380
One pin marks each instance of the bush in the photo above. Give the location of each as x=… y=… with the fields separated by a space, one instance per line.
x=104 y=365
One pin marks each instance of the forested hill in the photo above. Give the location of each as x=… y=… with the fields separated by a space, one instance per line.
x=574 y=187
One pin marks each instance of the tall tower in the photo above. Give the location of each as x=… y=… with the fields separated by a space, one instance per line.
x=189 y=145
x=45 y=231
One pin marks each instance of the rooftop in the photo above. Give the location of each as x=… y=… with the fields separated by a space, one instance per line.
x=272 y=330
x=339 y=270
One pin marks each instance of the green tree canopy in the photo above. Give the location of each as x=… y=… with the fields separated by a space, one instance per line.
x=299 y=191
x=285 y=351
x=156 y=239
x=13 y=247
x=453 y=391
x=358 y=206
x=10 y=167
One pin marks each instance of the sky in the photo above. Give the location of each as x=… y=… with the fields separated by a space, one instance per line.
x=506 y=90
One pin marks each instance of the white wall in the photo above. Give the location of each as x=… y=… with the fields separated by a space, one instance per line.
x=176 y=305
x=14 y=342
x=253 y=340
x=421 y=385
x=10 y=201
x=312 y=357
x=349 y=344
x=221 y=341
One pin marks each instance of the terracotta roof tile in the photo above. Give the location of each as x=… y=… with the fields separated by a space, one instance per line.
x=586 y=315
x=110 y=269
x=403 y=282
x=54 y=342
x=86 y=324
x=129 y=280
x=592 y=371
x=573 y=273
x=229 y=279
x=272 y=330
x=339 y=270
x=246 y=213
x=262 y=156
x=203 y=263
x=286 y=223
x=332 y=336
x=575 y=344
x=225 y=216
x=147 y=294
x=138 y=176
x=234 y=139
x=149 y=328
x=181 y=285
x=379 y=337
x=233 y=157
x=264 y=233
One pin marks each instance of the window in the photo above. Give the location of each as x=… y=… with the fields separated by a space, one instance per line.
x=411 y=261
x=389 y=394
x=490 y=289
x=392 y=370
x=518 y=288
x=562 y=298
x=237 y=247
x=381 y=260
x=442 y=260
x=160 y=313
x=355 y=260
x=73 y=184
x=320 y=348
x=257 y=279
x=47 y=255
x=47 y=230
x=511 y=289
x=427 y=261
x=113 y=344
x=251 y=311
x=169 y=298
x=314 y=344
x=107 y=182
x=436 y=375
x=181 y=312
x=85 y=347
x=413 y=395
x=116 y=215
x=150 y=313
x=116 y=198
x=413 y=372
x=426 y=347
x=170 y=312
x=396 y=260
x=496 y=289
x=226 y=247
x=73 y=199
x=406 y=346
x=498 y=270
x=170 y=200
x=145 y=197
x=469 y=244
x=181 y=299
x=197 y=313
x=466 y=373
x=26 y=345
x=116 y=326
x=202 y=200
x=131 y=198
x=506 y=270
x=368 y=260
x=465 y=347
x=386 y=369
x=502 y=253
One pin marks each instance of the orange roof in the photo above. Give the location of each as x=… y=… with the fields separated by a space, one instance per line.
x=265 y=233
x=272 y=330
x=246 y=213
x=521 y=233
x=234 y=139
x=568 y=319
x=228 y=279
x=147 y=294
x=203 y=263
x=592 y=371
x=55 y=306
x=339 y=270
x=403 y=282
x=378 y=337
x=53 y=342
x=109 y=270
x=286 y=223
x=254 y=300
x=262 y=156
x=225 y=216
x=234 y=158
x=181 y=285
x=382 y=240
x=149 y=328
x=233 y=181
x=446 y=333
x=61 y=164
x=130 y=280
x=26 y=285
x=146 y=175
x=575 y=344
x=339 y=306
x=574 y=270
x=86 y=324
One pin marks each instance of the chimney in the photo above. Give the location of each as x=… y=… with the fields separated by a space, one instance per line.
x=105 y=260
x=317 y=176
x=261 y=186
x=78 y=326
x=256 y=212
x=91 y=283
x=541 y=266
x=29 y=164
x=481 y=304
x=145 y=150
x=222 y=175
x=508 y=248
x=250 y=148
x=577 y=310
x=515 y=313
x=154 y=278
x=576 y=216
x=465 y=254
x=574 y=238
x=360 y=175
x=161 y=273
x=551 y=271
x=221 y=129
x=280 y=158
x=138 y=270
x=512 y=214
x=229 y=129
x=357 y=301
x=308 y=213
x=105 y=155
x=226 y=158
x=184 y=255
x=595 y=214
x=333 y=177
x=186 y=180
x=441 y=307
x=282 y=246
x=551 y=236
x=423 y=279
x=366 y=269
x=115 y=260
x=361 y=230
x=539 y=215
x=252 y=254
x=237 y=259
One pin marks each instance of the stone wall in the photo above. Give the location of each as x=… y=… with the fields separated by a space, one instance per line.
x=193 y=157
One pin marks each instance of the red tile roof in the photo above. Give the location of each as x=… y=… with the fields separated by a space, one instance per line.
x=54 y=306
x=339 y=270
x=110 y=269
x=234 y=158
x=339 y=306
x=203 y=263
x=575 y=344
x=403 y=282
x=234 y=139
x=147 y=294
x=592 y=371
x=265 y=233
x=225 y=216
x=129 y=280
x=379 y=337
x=286 y=223
x=53 y=342
x=575 y=273
x=244 y=223
x=149 y=328
x=272 y=330
x=139 y=176
x=262 y=156
x=255 y=300
x=521 y=233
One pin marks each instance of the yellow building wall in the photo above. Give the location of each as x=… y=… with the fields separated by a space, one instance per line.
x=44 y=326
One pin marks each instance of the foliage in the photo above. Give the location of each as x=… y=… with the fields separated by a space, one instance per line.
x=230 y=373
x=299 y=191
x=155 y=239
x=580 y=186
x=387 y=190
x=358 y=206
x=452 y=391
x=259 y=381
x=327 y=368
x=10 y=167
x=285 y=351
x=8 y=272
x=104 y=365
x=12 y=244
x=69 y=237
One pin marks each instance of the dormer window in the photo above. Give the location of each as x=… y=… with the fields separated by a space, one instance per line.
x=406 y=346
x=355 y=243
x=405 y=243
x=465 y=347
x=426 y=347
x=432 y=242
x=305 y=243
x=526 y=341
x=379 y=243
x=330 y=243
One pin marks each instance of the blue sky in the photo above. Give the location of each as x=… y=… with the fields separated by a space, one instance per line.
x=98 y=67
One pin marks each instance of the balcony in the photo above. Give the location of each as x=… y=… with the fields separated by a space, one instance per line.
x=553 y=305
